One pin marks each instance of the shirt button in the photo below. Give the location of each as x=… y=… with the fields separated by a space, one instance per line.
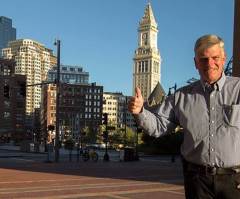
x=212 y=149
x=213 y=164
x=212 y=121
x=211 y=95
x=212 y=135
x=212 y=108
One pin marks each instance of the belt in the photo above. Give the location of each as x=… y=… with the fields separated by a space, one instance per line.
x=210 y=170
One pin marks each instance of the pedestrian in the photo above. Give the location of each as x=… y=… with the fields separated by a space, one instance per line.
x=208 y=110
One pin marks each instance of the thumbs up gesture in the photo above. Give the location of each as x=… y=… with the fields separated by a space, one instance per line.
x=135 y=104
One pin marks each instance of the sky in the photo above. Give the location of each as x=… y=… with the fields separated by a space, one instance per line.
x=101 y=35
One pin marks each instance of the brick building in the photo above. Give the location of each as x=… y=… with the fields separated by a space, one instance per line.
x=12 y=103
x=80 y=107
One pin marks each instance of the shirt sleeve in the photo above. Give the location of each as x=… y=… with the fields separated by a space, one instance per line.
x=160 y=121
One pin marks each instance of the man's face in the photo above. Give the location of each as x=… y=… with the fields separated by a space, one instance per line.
x=210 y=63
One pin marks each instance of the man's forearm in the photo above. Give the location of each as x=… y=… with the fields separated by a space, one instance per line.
x=153 y=124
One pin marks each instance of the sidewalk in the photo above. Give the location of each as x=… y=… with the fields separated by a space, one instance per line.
x=10 y=147
x=10 y=151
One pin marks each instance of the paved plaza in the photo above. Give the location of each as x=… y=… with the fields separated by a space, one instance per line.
x=26 y=175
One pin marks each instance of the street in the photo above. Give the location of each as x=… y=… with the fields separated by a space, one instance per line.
x=26 y=175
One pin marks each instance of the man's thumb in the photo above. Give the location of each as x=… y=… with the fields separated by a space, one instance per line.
x=138 y=92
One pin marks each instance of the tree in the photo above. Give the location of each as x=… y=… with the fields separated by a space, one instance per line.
x=89 y=135
x=167 y=144
x=117 y=137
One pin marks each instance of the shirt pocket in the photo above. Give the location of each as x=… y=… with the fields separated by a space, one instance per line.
x=231 y=115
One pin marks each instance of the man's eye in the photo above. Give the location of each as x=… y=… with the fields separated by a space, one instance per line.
x=216 y=58
x=203 y=59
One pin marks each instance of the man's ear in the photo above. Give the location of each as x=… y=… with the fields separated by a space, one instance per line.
x=224 y=58
x=195 y=62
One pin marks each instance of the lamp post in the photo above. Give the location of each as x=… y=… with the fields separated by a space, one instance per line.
x=169 y=93
x=57 y=43
x=174 y=87
x=105 y=136
x=125 y=122
x=139 y=130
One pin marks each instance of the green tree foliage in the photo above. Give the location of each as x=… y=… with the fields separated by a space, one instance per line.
x=90 y=136
x=117 y=137
x=168 y=144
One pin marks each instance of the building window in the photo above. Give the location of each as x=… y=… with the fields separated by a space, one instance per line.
x=7 y=103
x=6 y=114
x=146 y=66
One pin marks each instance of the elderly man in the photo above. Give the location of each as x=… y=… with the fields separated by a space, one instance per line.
x=209 y=112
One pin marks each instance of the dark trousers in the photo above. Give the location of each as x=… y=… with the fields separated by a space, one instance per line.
x=199 y=185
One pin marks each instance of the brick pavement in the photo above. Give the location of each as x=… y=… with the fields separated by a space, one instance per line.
x=26 y=178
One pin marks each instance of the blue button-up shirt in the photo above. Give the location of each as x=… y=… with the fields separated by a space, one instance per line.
x=210 y=118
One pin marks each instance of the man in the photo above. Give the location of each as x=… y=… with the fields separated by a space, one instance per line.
x=209 y=112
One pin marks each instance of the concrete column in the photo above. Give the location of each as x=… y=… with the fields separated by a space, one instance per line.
x=236 y=40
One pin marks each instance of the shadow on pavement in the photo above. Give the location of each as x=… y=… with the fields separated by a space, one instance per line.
x=147 y=169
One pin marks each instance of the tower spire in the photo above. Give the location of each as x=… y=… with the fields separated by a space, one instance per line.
x=148 y=18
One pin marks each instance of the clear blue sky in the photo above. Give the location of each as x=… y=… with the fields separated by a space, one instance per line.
x=101 y=35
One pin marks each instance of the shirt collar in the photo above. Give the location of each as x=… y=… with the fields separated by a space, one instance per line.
x=218 y=85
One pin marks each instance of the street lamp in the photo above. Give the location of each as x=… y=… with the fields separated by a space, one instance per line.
x=174 y=87
x=169 y=93
x=105 y=136
x=57 y=43
x=139 y=130
x=125 y=121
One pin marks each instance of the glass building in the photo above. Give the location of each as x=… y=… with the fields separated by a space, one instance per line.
x=69 y=74
x=7 y=32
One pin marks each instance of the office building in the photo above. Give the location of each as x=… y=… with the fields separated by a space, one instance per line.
x=12 y=103
x=7 y=32
x=80 y=107
x=69 y=74
x=115 y=105
x=34 y=60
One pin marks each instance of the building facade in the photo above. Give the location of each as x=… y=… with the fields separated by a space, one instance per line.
x=80 y=107
x=33 y=60
x=69 y=74
x=12 y=103
x=147 y=60
x=115 y=105
x=7 y=32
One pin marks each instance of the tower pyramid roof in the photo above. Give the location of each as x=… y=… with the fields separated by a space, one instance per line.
x=148 y=17
x=156 y=97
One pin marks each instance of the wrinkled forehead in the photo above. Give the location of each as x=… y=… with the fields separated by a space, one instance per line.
x=214 y=50
x=208 y=41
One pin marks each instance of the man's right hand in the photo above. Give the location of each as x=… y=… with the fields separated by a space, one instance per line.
x=135 y=104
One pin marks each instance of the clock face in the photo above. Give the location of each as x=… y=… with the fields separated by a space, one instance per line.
x=144 y=35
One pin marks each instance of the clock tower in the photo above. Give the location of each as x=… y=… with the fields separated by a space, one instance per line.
x=147 y=60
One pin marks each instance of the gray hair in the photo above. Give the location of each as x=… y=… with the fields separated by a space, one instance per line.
x=206 y=41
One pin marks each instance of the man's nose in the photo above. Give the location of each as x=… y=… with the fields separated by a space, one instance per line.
x=210 y=61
